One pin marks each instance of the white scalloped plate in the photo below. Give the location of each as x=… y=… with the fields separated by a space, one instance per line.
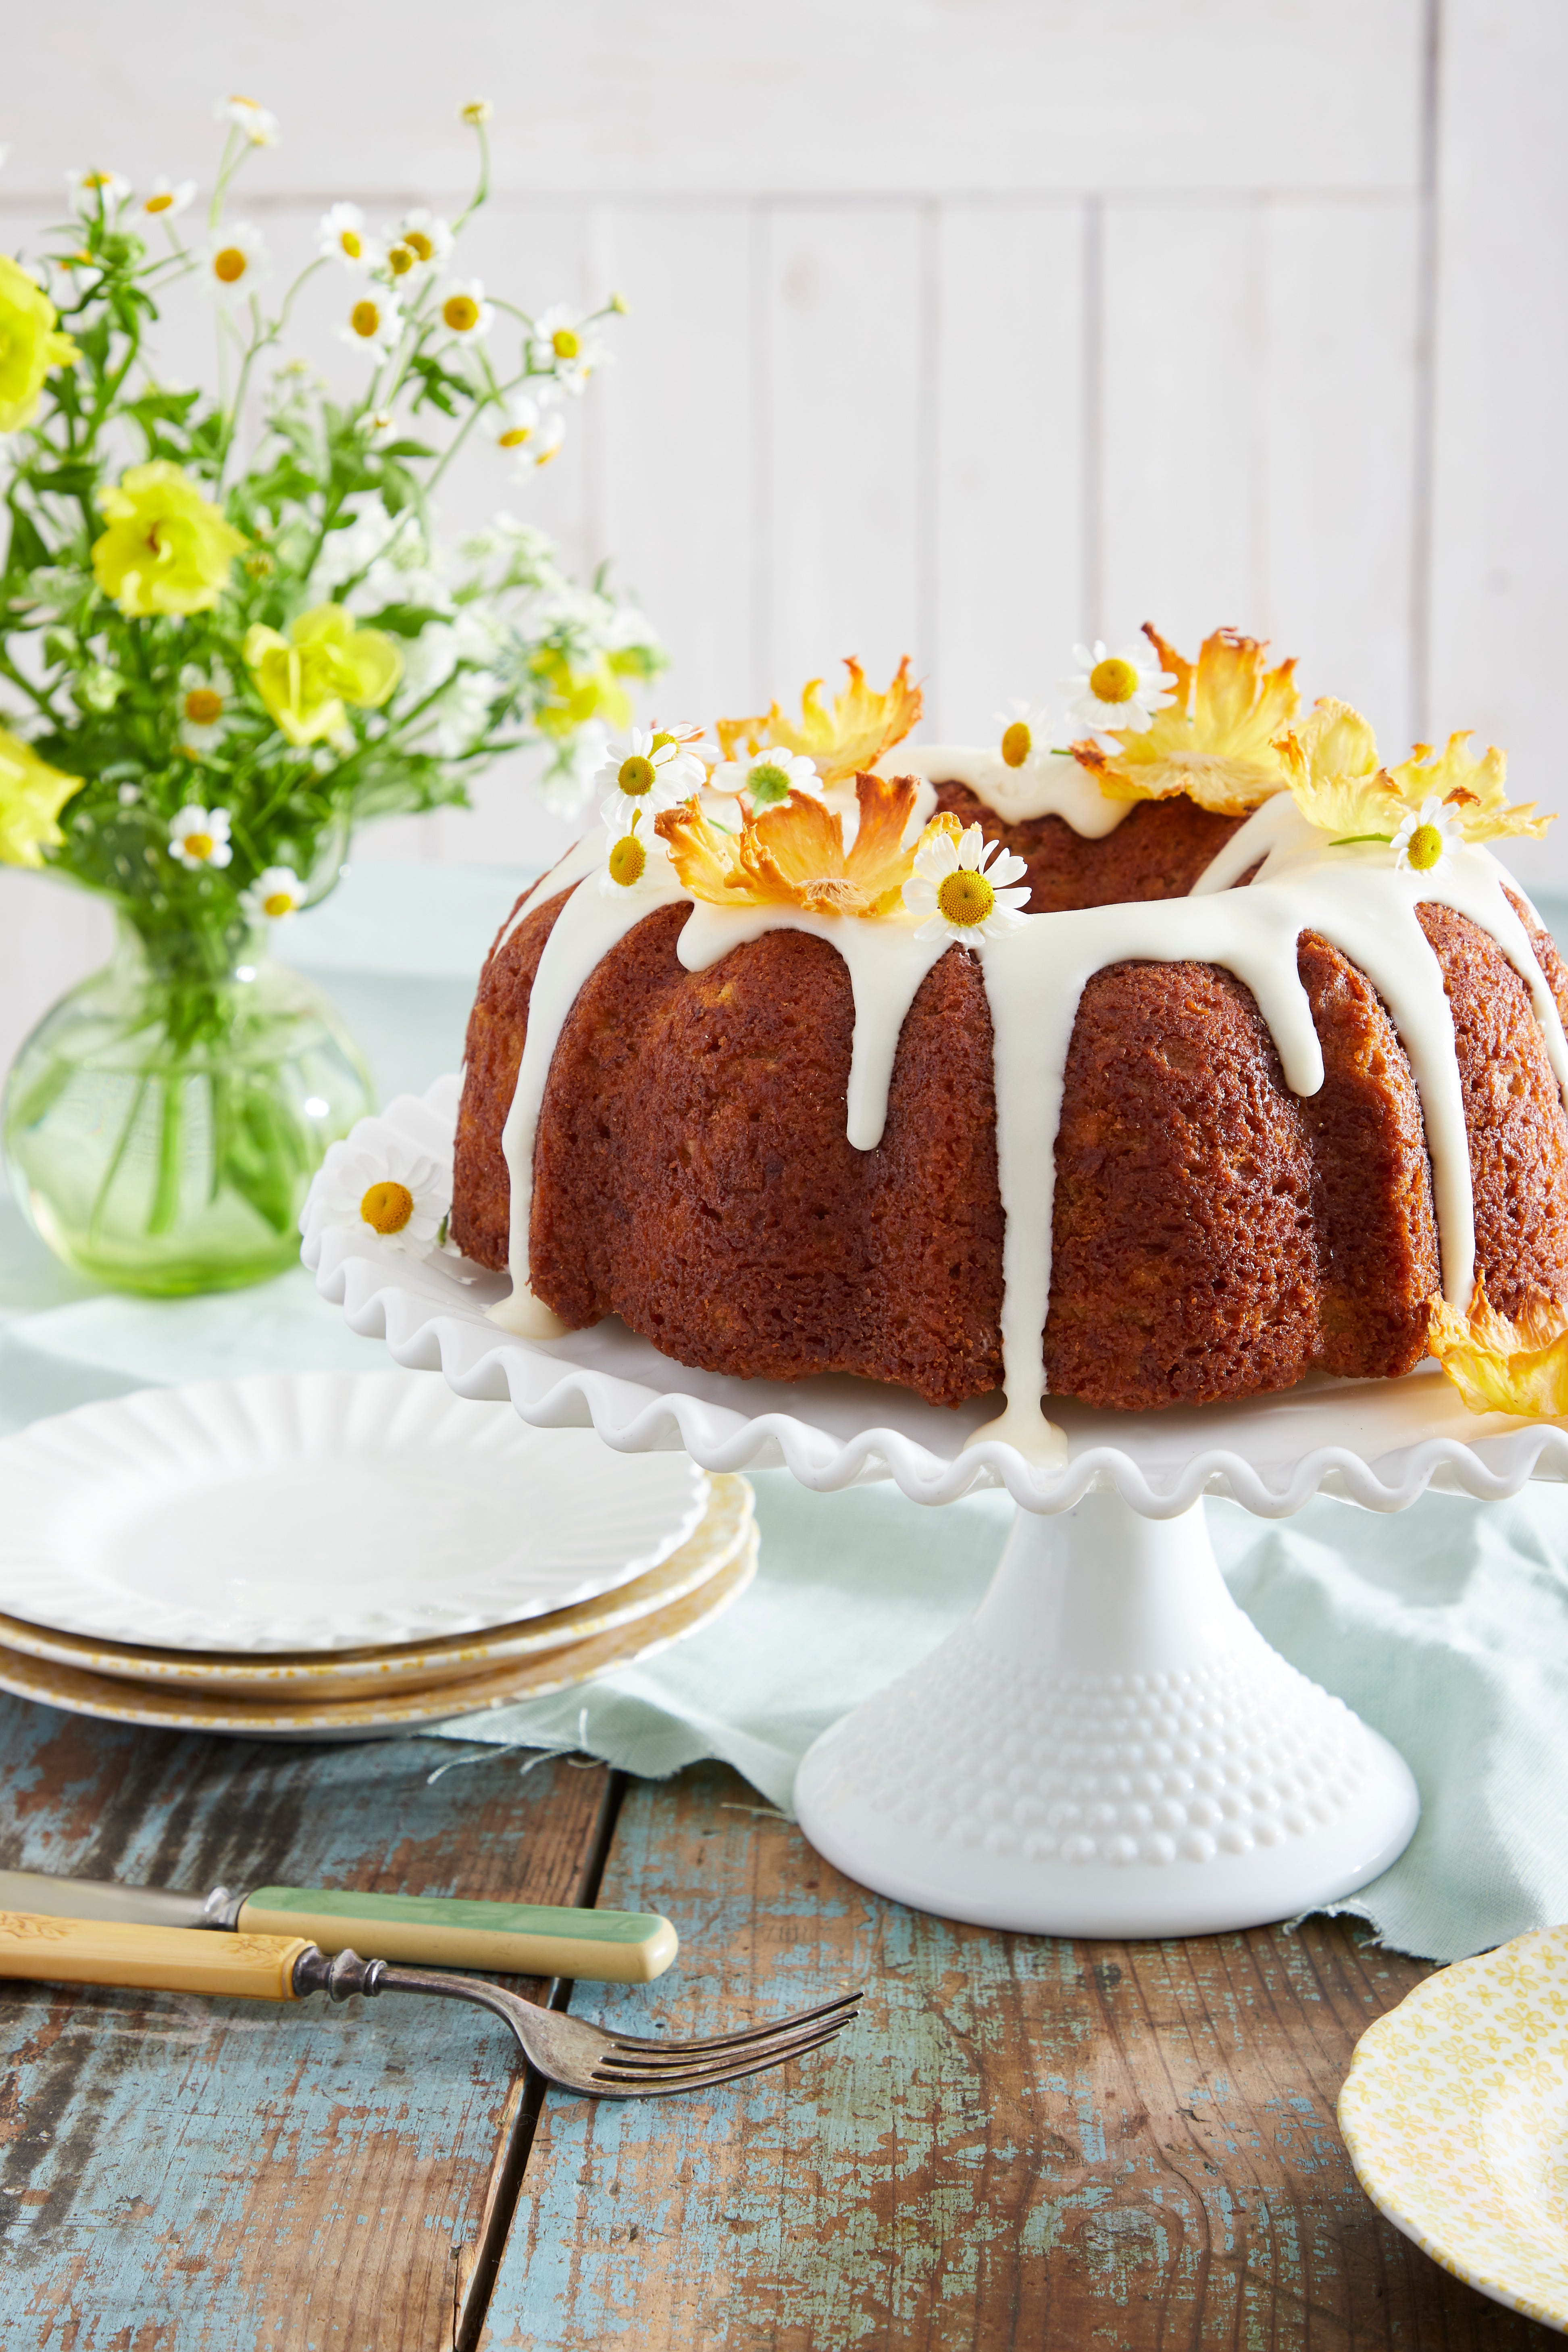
x=1377 y=1443
x=1455 y=2114
x=320 y=1511
x=383 y=1717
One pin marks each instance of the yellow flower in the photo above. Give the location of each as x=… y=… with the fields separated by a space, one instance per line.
x=575 y=695
x=167 y=549
x=852 y=736
x=29 y=346
x=1215 y=740
x=32 y=794
x=326 y=661
x=794 y=855
x=1499 y=1365
x=1332 y=766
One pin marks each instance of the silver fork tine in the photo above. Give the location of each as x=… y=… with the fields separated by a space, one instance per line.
x=680 y=2062
x=700 y=2078
x=737 y=2042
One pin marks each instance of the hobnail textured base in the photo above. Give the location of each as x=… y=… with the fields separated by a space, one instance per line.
x=1109 y=1747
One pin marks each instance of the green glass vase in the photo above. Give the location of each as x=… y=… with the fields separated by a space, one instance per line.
x=164 y=1121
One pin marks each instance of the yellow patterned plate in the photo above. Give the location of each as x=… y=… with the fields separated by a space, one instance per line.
x=1455 y=2114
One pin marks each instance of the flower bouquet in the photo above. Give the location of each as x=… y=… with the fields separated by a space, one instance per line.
x=222 y=648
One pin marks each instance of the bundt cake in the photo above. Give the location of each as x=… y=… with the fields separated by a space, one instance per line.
x=785 y=1079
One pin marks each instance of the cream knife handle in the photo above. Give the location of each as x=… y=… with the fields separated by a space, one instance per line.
x=524 y=1939
x=161 y=1960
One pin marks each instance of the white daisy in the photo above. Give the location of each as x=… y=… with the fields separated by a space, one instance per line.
x=1117 y=692
x=203 y=708
x=1026 y=734
x=1425 y=836
x=167 y=197
x=345 y=238
x=385 y=1188
x=89 y=189
x=236 y=262
x=199 y=837
x=276 y=893
x=476 y=111
x=636 y=862
x=649 y=769
x=766 y=777
x=464 y=314
x=424 y=238
x=374 y=323
x=533 y=435
x=565 y=345
x=961 y=886
x=260 y=127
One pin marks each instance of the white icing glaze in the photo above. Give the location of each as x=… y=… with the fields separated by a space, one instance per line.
x=1054 y=786
x=1035 y=976
x=581 y=860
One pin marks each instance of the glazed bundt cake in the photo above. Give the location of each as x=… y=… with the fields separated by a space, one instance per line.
x=1273 y=1059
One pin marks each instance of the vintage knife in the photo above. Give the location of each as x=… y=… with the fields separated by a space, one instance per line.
x=525 y=1939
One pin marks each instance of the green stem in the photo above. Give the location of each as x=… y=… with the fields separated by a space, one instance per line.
x=166 y=1191
x=101 y=1204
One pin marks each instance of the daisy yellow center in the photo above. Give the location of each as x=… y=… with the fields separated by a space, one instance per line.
x=97 y=179
x=419 y=244
x=966 y=898
x=351 y=242
x=365 y=318
x=628 y=860
x=565 y=343
x=198 y=844
x=229 y=264
x=516 y=437
x=1113 y=681
x=461 y=313
x=768 y=783
x=1425 y=848
x=1017 y=744
x=157 y=204
x=204 y=708
x=399 y=260
x=637 y=776
x=387 y=1207
x=278 y=903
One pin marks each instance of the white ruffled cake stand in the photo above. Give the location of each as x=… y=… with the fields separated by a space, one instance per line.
x=1108 y=1747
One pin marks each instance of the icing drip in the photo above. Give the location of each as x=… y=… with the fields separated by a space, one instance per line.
x=579 y=862
x=1055 y=786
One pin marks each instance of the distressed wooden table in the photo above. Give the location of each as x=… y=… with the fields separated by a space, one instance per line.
x=1026 y=2142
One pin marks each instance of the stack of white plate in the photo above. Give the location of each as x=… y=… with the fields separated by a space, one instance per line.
x=337 y=1555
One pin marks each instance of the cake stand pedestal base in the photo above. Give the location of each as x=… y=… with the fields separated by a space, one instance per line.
x=1108 y=1748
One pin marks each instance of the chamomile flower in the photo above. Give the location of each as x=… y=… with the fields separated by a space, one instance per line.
x=1424 y=838
x=236 y=262
x=649 y=769
x=90 y=189
x=477 y=111
x=1026 y=734
x=276 y=893
x=565 y=345
x=204 y=706
x=766 y=777
x=167 y=197
x=423 y=237
x=386 y=1188
x=260 y=127
x=959 y=884
x=199 y=837
x=375 y=323
x=636 y=863
x=1116 y=693
x=464 y=314
x=345 y=238
x=533 y=434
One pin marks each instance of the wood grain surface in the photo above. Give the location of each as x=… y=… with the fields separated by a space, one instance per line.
x=1026 y=2142
x=187 y=2175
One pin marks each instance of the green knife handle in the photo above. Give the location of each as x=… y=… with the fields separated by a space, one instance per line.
x=527 y=1939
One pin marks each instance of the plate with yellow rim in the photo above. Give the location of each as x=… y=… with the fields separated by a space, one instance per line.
x=1455 y=2112
x=382 y=1716
x=400 y=1668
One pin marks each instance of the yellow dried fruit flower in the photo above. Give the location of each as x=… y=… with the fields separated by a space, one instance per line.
x=793 y=854
x=1499 y=1364
x=1214 y=741
x=841 y=742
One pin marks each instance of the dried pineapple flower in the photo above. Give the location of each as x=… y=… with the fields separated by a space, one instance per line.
x=1502 y=1366
x=839 y=743
x=1331 y=762
x=793 y=854
x=1214 y=741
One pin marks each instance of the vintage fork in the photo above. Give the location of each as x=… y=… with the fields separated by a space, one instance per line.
x=565 y=2050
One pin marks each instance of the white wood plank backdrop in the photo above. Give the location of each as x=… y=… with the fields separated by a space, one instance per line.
x=959 y=327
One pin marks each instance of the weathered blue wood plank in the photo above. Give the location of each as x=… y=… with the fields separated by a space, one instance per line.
x=1026 y=2142
x=179 y=2175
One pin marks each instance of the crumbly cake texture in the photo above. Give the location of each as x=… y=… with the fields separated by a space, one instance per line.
x=1213 y=1235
